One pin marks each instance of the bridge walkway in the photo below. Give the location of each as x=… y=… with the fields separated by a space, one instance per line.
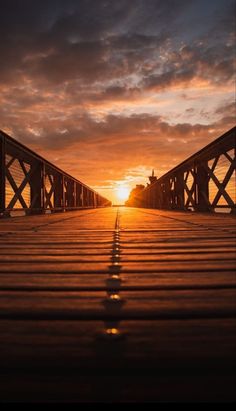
x=116 y=304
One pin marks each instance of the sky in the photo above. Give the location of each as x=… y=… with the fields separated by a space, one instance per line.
x=109 y=90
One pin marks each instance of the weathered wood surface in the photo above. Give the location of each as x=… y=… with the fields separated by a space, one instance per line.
x=164 y=281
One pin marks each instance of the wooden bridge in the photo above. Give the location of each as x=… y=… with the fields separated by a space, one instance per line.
x=113 y=303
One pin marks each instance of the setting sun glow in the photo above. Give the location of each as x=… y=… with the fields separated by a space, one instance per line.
x=122 y=193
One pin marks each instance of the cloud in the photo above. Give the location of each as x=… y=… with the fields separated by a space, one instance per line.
x=56 y=41
x=117 y=139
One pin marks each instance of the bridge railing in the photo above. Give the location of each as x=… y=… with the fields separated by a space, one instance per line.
x=32 y=184
x=204 y=182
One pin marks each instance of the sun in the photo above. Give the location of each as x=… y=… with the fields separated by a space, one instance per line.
x=122 y=193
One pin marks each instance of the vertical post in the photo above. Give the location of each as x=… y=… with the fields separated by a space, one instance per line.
x=202 y=187
x=63 y=193
x=44 y=187
x=70 y=193
x=79 y=195
x=180 y=190
x=233 y=209
x=167 y=195
x=2 y=175
x=58 y=193
x=37 y=189
x=74 y=194
x=82 y=196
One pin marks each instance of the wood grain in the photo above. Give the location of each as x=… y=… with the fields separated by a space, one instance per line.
x=174 y=307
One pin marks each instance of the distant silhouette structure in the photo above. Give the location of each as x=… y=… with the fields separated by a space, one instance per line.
x=152 y=178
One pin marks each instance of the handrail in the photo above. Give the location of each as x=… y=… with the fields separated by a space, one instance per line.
x=30 y=183
x=203 y=182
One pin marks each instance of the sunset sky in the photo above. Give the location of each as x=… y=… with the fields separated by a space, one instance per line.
x=108 y=90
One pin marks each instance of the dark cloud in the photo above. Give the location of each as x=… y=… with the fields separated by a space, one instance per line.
x=215 y=64
x=91 y=40
x=129 y=132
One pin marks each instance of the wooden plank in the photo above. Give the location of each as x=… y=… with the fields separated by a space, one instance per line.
x=128 y=267
x=139 y=304
x=128 y=281
x=49 y=268
x=71 y=344
x=42 y=260
x=106 y=250
x=176 y=281
x=177 y=244
x=124 y=258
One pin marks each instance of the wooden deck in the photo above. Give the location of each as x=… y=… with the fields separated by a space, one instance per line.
x=118 y=304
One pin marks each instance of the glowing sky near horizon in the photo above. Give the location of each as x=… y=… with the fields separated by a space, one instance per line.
x=110 y=90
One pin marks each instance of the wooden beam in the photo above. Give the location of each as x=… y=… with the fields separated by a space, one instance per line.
x=17 y=190
x=202 y=187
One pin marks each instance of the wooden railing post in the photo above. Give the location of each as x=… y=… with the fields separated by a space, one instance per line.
x=70 y=193
x=63 y=193
x=2 y=175
x=37 y=189
x=58 y=193
x=167 y=195
x=89 y=198
x=180 y=190
x=74 y=194
x=202 y=188
x=82 y=196
x=233 y=209
x=79 y=198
